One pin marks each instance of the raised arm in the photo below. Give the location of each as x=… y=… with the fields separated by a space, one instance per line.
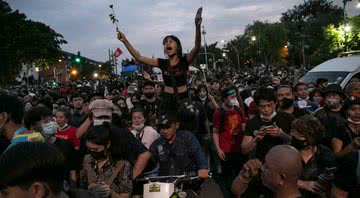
x=191 y=56
x=142 y=59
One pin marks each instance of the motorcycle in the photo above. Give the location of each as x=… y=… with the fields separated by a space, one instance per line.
x=167 y=186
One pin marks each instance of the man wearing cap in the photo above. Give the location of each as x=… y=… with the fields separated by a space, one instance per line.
x=331 y=115
x=177 y=151
x=228 y=131
x=125 y=145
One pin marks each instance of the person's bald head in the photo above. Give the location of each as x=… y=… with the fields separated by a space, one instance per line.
x=282 y=167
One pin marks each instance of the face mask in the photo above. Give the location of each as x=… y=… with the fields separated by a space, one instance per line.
x=287 y=103
x=149 y=95
x=63 y=127
x=272 y=116
x=234 y=102
x=353 y=122
x=138 y=127
x=298 y=144
x=98 y=122
x=49 y=128
x=332 y=103
x=98 y=155
x=203 y=98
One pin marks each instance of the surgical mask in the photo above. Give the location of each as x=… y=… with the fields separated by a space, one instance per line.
x=138 y=127
x=298 y=144
x=49 y=128
x=98 y=122
x=272 y=116
x=332 y=103
x=353 y=122
x=63 y=127
x=203 y=98
x=234 y=102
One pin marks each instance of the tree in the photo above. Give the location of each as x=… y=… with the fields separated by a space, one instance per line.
x=306 y=23
x=25 y=41
x=266 y=40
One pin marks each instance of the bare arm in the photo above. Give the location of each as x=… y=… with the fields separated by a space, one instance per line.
x=337 y=148
x=83 y=128
x=248 y=144
x=338 y=193
x=136 y=54
x=141 y=163
x=191 y=56
x=220 y=152
x=117 y=195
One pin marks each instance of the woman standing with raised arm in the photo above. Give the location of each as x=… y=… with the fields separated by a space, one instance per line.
x=174 y=68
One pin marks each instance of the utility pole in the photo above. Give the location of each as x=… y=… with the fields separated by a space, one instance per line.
x=205 y=45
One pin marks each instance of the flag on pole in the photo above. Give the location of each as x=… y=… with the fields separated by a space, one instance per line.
x=118 y=52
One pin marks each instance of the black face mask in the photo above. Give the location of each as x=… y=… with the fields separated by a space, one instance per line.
x=286 y=103
x=149 y=95
x=98 y=155
x=298 y=144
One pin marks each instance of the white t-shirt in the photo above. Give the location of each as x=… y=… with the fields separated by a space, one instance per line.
x=147 y=136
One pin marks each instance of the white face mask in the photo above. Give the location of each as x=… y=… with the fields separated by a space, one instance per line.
x=63 y=127
x=272 y=116
x=138 y=127
x=49 y=128
x=353 y=122
x=234 y=102
x=98 y=122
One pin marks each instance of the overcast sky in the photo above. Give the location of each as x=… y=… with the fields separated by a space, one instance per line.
x=86 y=26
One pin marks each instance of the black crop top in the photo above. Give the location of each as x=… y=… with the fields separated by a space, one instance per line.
x=180 y=71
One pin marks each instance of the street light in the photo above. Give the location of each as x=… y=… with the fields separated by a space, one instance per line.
x=60 y=60
x=100 y=66
x=37 y=69
x=237 y=52
x=253 y=38
x=96 y=75
x=224 y=54
x=74 y=72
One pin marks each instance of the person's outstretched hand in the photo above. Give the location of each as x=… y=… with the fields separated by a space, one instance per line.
x=121 y=36
x=198 y=18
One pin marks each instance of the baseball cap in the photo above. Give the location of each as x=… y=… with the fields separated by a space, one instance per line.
x=101 y=107
x=165 y=120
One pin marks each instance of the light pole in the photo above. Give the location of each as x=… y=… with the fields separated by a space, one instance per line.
x=205 y=45
x=236 y=50
x=213 y=57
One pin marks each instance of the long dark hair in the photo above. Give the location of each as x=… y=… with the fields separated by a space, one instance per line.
x=178 y=43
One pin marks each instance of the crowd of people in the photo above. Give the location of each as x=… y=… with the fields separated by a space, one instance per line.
x=267 y=136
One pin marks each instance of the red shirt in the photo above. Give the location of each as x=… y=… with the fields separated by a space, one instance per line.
x=69 y=134
x=231 y=135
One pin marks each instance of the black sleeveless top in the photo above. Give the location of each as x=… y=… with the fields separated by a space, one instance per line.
x=179 y=70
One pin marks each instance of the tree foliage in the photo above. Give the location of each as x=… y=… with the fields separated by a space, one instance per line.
x=24 y=41
x=306 y=24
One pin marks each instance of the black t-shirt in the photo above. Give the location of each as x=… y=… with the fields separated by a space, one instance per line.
x=151 y=110
x=124 y=145
x=179 y=71
x=4 y=143
x=345 y=134
x=282 y=120
x=72 y=161
x=345 y=177
x=299 y=112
